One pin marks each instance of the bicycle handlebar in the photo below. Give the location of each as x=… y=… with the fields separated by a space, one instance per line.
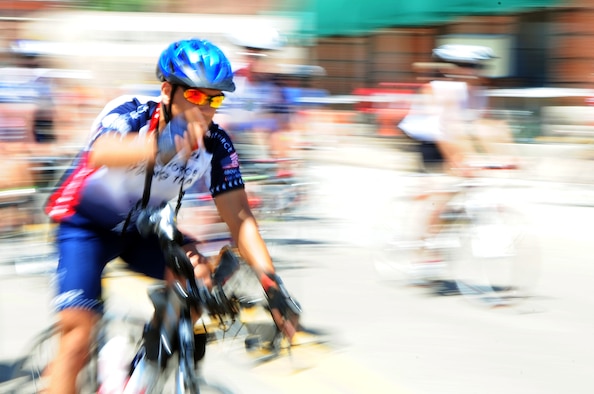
x=162 y=222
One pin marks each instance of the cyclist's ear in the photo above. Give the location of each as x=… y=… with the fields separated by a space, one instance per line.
x=166 y=89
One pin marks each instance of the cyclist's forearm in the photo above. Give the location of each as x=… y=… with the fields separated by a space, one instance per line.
x=253 y=248
x=234 y=209
x=115 y=150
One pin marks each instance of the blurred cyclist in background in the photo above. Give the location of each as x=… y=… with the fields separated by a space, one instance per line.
x=96 y=204
x=259 y=111
x=449 y=121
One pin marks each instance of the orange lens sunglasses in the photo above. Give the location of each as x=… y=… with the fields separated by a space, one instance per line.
x=198 y=97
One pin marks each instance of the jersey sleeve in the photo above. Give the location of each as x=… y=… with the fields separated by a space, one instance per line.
x=225 y=174
x=122 y=115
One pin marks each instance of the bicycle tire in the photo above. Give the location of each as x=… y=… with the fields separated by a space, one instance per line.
x=188 y=380
x=178 y=375
x=183 y=378
x=497 y=263
x=186 y=377
x=398 y=246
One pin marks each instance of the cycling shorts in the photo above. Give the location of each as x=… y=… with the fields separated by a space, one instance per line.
x=84 y=253
x=431 y=157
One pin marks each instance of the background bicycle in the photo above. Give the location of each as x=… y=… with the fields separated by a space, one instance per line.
x=485 y=249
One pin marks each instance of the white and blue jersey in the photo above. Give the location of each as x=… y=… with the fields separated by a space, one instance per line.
x=92 y=204
x=105 y=196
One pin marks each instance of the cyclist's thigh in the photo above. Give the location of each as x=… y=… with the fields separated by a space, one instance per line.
x=144 y=255
x=83 y=253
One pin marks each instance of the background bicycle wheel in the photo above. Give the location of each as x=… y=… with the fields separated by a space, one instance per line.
x=498 y=261
x=398 y=232
x=29 y=375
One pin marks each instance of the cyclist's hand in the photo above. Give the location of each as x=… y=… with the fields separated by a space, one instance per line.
x=168 y=139
x=284 y=308
x=197 y=127
x=182 y=135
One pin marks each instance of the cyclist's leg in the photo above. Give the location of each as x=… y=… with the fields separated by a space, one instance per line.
x=83 y=255
x=432 y=193
x=76 y=329
x=429 y=265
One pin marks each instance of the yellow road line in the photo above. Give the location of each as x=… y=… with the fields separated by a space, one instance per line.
x=319 y=369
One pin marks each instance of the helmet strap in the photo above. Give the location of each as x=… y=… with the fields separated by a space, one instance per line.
x=168 y=116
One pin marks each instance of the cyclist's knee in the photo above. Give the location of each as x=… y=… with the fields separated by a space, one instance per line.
x=76 y=329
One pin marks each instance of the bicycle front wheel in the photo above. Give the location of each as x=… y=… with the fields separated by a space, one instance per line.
x=186 y=379
x=398 y=234
x=497 y=263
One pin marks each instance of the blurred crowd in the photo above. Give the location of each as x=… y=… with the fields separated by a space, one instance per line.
x=277 y=113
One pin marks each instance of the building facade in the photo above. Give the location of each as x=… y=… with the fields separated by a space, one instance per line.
x=540 y=47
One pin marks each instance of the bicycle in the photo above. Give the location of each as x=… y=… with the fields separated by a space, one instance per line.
x=484 y=248
x=276 y=187
x=169 y=334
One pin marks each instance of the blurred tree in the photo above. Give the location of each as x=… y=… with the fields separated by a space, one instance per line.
x=119 y=5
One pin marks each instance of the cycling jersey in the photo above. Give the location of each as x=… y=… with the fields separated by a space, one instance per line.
x=105 y=196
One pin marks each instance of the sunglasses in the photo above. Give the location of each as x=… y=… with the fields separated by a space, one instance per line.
x=198 y=97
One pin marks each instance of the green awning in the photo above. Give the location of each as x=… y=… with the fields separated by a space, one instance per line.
x=354 y=17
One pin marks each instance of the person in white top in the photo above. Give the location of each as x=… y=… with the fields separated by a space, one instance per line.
x=447 y=119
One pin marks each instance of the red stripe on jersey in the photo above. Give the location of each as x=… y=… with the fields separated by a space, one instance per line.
x=62 y=202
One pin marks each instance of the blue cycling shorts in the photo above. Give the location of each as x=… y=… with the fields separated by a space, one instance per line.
x=84 y=253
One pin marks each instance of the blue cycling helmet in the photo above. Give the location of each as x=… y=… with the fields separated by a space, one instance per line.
x=196 y=63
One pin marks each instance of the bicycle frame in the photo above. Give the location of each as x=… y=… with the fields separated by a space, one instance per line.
x=176 y=334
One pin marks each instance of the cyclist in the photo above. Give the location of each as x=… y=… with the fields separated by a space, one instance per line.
x=97 y=202
x=260 y=109
x=448 y=121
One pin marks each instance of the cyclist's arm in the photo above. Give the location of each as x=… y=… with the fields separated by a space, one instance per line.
x=115 y=139
x=232 y=204
x=117 y=150
x=234 y=209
